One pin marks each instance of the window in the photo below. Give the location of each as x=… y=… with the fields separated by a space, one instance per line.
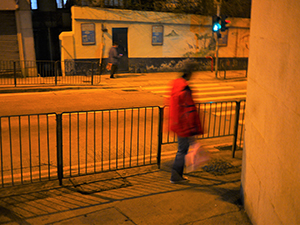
x=34 y=4
x=113 y=2
x=61 y=3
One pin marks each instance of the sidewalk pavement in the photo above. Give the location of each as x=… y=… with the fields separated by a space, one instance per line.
x=141 y=195
x=128 y=80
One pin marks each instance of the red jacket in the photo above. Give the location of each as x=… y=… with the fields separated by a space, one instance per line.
x=183 y=119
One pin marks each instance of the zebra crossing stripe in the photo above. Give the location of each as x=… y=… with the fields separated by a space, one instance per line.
x=168 y=87
x=202 y=89
x=219 y=98
x=221 y=92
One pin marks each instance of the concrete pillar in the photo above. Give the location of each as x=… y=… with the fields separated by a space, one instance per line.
x=270 y=173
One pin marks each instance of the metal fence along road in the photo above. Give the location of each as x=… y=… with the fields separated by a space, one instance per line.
x=108 y=140
x=225 y=66
x=27 y=148
x=17 y=73
x=71 y=72
x=52 y=146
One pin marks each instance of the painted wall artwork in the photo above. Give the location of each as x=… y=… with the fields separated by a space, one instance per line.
x=205 y=46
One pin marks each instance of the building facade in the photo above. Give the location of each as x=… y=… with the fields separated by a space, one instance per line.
x=149 y=41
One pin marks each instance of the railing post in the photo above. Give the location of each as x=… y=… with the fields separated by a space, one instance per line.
x=55 y=72
x=92 y=73
x=59 y=147
x=15 y=74
x=160 y=129
x=100 y=71
x=212 y=63
x=236 y=126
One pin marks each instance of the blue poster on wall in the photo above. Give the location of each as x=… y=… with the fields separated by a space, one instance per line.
x=88 y=33
x=157 y=35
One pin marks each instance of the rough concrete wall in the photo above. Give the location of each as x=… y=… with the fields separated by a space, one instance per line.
x=270 y=174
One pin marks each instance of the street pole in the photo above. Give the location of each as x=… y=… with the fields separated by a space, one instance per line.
x=217 y=40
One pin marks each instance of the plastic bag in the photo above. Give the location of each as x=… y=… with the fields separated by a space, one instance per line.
x=108 y=66
x=196 y=157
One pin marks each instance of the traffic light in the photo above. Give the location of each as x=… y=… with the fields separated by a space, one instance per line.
x=224 y=22
x=216 y=23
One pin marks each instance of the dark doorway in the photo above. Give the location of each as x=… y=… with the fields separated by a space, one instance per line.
x=119 y=35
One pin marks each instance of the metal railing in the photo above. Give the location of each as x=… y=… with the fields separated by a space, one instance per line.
x=85 y=72
x=105 y=140
x=18 y=73
x=227 y=65
x=52 y=146
x=27 y=148
x=219 y=119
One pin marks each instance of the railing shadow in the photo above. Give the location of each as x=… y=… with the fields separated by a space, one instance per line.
x=38 y=200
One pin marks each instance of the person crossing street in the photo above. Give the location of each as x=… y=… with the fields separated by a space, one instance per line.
x=113 y=59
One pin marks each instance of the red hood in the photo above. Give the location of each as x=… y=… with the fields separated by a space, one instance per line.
x=175 y=86
x=179 y=84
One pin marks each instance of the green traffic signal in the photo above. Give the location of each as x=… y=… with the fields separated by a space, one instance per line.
x=216 y=23
x=216 y=27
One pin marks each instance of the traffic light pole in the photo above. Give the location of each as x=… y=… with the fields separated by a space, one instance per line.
x=217 y=54
x=217 y=41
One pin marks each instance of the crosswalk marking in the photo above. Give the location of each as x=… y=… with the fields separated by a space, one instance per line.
x=220 y=92
x=213 y=99
x=204 y=85
x=192 y=85
x=202 y=89
x=219 y=98
x=216 y=93
x=209 y=92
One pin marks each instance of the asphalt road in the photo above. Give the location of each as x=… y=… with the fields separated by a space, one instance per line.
x=99 y=99
x=75 y=100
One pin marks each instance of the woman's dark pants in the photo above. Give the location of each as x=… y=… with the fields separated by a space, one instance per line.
x=178 y=166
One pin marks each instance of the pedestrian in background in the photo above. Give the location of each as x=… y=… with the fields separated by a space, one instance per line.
x=114 y=59
x=184 y=120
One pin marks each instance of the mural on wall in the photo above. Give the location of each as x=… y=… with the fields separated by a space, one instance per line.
x=176 y=65
x=244 y=44
x=206 y=48
x=190 y=44
x=224 y=38
x=172 y=34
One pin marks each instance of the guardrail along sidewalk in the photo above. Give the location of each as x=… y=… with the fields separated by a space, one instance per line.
x=51 y=146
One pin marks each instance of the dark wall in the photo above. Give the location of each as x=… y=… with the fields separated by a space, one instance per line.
x=8 y=36
x=48 y=23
